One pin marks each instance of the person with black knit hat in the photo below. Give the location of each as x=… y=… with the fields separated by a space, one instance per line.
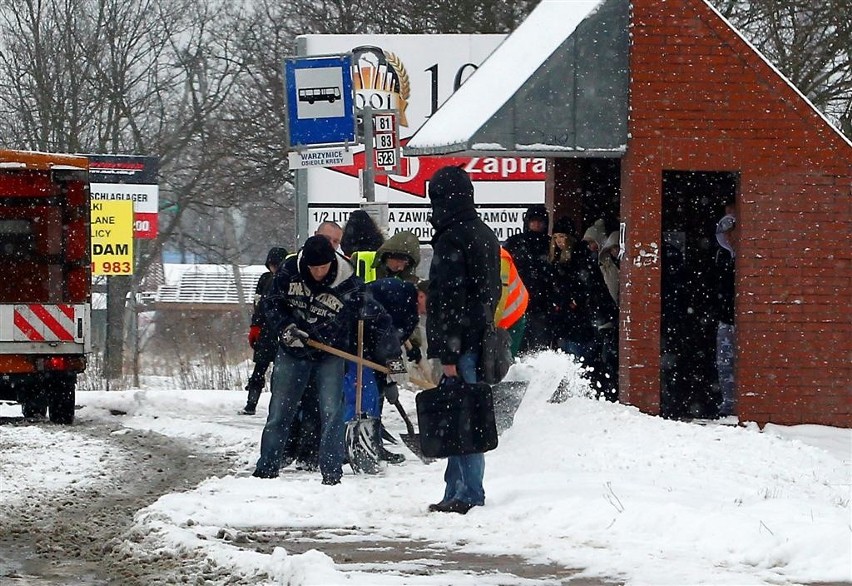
x=261 y=339
x=315 y=295
x=530 y=250
x=464 y=289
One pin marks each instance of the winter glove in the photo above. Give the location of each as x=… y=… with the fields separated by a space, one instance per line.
x=392 y=393
x=294 y=337
x=254 y=334
x=414 y=355
x=396 y=371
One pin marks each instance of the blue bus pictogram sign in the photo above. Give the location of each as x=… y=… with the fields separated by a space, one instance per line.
x=320 y=105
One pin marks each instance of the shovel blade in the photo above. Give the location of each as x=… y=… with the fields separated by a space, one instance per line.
x=412 y=441
x=363 y=444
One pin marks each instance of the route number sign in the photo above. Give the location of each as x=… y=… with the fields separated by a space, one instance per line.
x=386 y=142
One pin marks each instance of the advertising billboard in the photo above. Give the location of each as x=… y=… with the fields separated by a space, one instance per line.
x=128 y=178
x=414 y=75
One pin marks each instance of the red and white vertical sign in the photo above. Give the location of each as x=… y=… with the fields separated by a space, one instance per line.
x=128 y=178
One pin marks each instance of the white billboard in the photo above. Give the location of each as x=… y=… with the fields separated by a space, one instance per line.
x=414 y=74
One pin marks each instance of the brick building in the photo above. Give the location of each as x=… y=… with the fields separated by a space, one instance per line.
x=654 y=114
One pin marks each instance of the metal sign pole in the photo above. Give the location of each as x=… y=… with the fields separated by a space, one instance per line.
x=369 y=180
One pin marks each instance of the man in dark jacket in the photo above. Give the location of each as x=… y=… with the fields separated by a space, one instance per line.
x=261 y=339
x=314 y=295
x=464 y=288
x=530 y=250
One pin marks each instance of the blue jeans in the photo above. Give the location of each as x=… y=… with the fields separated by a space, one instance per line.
x=726 y=344
x=290 y=379
x=464 y=474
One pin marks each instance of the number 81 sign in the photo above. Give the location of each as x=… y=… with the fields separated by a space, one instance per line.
x=386 y=142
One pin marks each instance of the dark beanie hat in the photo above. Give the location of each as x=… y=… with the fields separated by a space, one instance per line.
x=564 y=225
x=450 y=183
x=317 y=251
x=276 y=256
x=536 y=212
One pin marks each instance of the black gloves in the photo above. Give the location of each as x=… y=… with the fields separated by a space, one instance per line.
x=396 y=371
x=294 y=337
x=414 y=354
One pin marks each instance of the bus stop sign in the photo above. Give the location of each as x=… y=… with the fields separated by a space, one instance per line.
x=320 y=106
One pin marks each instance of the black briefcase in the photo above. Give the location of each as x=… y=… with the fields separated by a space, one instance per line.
x=456 y=418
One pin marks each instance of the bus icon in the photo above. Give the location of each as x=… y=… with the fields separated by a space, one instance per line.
x=314 y=94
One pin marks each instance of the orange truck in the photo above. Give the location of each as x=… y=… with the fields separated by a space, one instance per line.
x=45 y=280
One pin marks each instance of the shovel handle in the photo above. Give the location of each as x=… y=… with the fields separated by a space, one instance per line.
x=404 y=415
x=353 y=358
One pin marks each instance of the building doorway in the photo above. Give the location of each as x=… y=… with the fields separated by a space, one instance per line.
x=585 y=190
x=692 y=204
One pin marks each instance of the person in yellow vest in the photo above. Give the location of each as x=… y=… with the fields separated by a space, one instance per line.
x=514 y=299
x=397 y=257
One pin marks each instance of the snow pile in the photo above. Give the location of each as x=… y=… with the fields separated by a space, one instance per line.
x=582 y=483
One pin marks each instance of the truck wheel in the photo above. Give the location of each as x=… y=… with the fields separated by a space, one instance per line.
x=33 y=405
x=61 y=401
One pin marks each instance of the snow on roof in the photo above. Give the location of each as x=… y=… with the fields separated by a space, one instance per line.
x=207 y=283
x=503 y=73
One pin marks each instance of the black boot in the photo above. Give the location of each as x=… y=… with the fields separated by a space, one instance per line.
x=390 y=457
x=254 y=391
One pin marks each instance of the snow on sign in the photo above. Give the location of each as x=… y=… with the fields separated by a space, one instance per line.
x=319 y=100
x=412 y=75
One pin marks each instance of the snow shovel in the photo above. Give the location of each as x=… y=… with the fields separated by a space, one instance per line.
x=411 y=439
x=363 y=434
x=424 y=384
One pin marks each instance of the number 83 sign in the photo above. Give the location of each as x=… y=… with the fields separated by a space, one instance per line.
x=386 y=142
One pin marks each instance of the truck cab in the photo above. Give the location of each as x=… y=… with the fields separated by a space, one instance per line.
x=45 y=280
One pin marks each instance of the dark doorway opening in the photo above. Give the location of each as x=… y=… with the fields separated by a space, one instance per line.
x=692 y=204
x=586 y=189
x=585 y=303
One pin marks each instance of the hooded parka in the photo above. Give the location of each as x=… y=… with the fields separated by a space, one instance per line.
x=464 y=277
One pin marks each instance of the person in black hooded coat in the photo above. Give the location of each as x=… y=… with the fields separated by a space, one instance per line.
x=464 y=289
x=262 y=339
x=360 y=233
x=530 y=250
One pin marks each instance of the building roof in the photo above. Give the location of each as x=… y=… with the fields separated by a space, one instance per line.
x=568 y=56
x=557 y=86
x=206 y=283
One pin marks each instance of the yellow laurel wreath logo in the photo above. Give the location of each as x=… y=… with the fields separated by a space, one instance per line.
x=404 y=85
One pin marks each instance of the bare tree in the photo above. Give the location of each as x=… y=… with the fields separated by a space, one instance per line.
x=107 y=76
x=810 y=43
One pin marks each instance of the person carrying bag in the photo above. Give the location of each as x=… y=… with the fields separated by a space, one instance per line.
x=456 y=418
x=464 y=288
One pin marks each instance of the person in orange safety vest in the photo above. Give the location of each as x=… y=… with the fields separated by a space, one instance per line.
x=514 y=299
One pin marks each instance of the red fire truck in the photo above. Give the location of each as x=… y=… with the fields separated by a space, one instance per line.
x=45 y=280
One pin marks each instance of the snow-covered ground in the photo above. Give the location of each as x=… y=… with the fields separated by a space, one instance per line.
x=583 y=483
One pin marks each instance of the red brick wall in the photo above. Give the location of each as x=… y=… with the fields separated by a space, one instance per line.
x=702 y=100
